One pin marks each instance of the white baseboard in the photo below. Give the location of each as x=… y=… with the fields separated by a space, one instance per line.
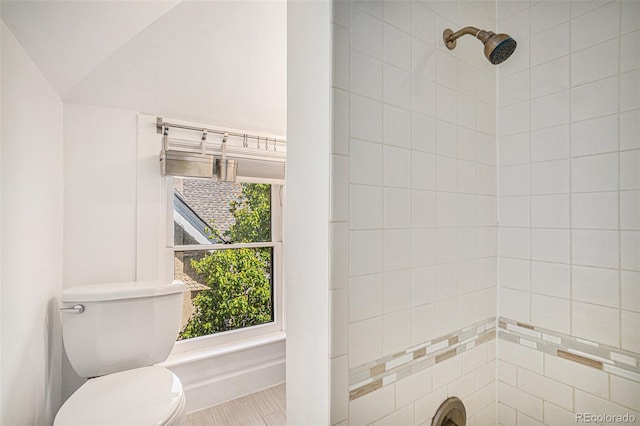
x=220 y=376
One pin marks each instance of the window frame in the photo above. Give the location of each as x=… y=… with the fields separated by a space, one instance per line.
x=277 y=282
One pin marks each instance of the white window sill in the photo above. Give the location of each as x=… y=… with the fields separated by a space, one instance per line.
x=179 y=359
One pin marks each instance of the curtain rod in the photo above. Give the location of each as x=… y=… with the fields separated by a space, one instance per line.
x=161 y=125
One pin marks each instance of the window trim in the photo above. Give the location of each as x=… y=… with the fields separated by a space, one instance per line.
x=233 y=336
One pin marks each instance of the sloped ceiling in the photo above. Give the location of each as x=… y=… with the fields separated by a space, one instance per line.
x=216 y=62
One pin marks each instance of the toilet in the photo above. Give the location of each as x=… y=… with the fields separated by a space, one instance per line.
x=114 y=334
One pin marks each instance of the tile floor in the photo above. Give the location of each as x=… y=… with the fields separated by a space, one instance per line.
x=264 y=408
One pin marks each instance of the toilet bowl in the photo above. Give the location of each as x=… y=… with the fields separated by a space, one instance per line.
x=114 y=334
x=142 y=396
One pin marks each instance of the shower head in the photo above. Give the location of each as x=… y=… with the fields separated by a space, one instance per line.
x=497 y=47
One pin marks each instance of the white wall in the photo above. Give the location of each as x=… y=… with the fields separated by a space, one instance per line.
x=32 y=225
x=413 y=199
x=306 y=213
x=569 y=154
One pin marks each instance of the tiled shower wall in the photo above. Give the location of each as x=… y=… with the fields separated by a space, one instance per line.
x=413 y=233
x=569 y=208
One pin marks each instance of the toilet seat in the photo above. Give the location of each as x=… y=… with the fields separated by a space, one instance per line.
x=139 y=397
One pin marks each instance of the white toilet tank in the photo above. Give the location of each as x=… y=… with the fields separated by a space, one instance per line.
x=121 y=326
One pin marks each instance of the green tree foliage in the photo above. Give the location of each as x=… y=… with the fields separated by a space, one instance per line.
x=240 y=279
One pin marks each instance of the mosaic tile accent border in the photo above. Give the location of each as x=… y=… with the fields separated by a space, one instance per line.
x=374 y=375
x=595 y=355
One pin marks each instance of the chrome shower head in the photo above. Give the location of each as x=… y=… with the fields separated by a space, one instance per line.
x=497 y=47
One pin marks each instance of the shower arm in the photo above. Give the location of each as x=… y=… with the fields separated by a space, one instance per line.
x=450 y=37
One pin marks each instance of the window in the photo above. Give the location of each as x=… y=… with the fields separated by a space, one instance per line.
x=227 y=250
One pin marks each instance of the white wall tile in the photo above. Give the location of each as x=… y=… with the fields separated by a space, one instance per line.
x=365 y=253
x=372 y=406
x=625 y=392
x=545 y=15
x=550 y=110
x=413 y=387
x=595 y=248
x=395 y=171
x=398 y=13
x=514 y=211
x=595 y=62
x=551 y=279
x=630 y=16
x=544 y=388
x=396 y=128
x=423 y=285
x=550 y=177
x=596 y=286
x=630 y=247
x=514 y=180
x=397 y=208
x=514 y=149
x=550 y=245
x=447 y=371
x=426 y=406
x=339 y=389
x=366 y=75
x=554 y=415
x=423 y=137
x=630 y=331
x=423 y=209
x=594 y=173
x=423 y=247
x=365 y=341
x=585 y=402
x=366 y=33
x=629 y=51
x=630 y=288
x=447 y=143
x=396 y=86
x=629 y=90
x=365 y=163
x=515 y=273
x=423 y=170
x=521 y=356
x=396 y=46
x=514 y=304
x=339 y=254
x=447 y=209
x=594 y=99
x=514 y=119
x=630 y=169
x=630 y=130
x=576 y=375
x=550 y=44
x=595 y=26
x=595 y=136
x=339 y=305
x=514 y=88
x=424 y=22
x=365 y=297
x=595 y=323
x=340 y=122
x=595 y=210
x=396 y=332
x=401 y=417
x=396 y=290
x=446 y=316
x=550 y=144
x=521 y=401
x=446 y=174
x=630 y=210
x=423 y=323
x=366 y=207
x=515 y=242
x=552 y=313
x=550 y=77
x=366 y=118
x=447 y=106
x=424 y=96
x=397 y=250
x=550 y=211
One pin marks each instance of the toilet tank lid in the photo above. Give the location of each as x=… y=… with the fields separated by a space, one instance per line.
x=122 y=290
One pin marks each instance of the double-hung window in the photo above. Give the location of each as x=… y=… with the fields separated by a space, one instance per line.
x=227 y=249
